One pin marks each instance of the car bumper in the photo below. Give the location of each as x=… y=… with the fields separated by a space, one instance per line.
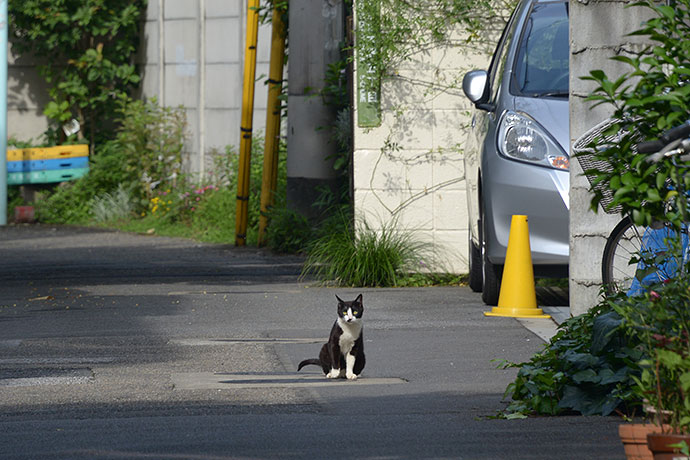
x=541 y=194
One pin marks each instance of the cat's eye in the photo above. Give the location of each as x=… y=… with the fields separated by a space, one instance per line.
x=355 y=312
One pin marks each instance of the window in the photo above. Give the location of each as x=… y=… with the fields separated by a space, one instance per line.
x=542 y=63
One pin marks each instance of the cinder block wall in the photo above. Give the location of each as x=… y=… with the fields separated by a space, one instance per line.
x=410 y=169
x=191 y=55
x=27 y=95
x=597 y=32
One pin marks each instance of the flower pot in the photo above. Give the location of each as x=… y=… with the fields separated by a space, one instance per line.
x=659 y=444
x=634 y=439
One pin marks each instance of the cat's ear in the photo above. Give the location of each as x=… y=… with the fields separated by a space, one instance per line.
x=339 y=299
x=359 y=299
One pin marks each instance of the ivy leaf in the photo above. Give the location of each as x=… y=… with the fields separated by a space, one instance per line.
x=587 y=375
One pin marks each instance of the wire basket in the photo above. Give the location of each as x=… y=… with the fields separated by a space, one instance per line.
x=585 y=155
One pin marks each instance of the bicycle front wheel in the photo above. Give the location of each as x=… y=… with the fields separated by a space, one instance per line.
x=624 y=242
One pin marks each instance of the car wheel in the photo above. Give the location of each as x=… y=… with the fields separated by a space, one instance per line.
x=475 y=261
x=491 y=285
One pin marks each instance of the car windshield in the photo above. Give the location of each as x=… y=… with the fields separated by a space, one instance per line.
x=541 y=67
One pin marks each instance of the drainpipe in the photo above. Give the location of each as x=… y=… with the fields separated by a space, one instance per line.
x=242 y=208
x=272 y=141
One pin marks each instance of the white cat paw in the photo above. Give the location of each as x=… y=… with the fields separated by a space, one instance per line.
x=334 y=374
x=351 y=376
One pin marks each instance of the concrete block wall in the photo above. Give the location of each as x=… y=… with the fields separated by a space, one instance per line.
x=27 y=95
x=598 y=31
x=193 y=56
x=410 y=169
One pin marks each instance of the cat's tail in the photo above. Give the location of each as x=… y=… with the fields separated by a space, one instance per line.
x=306 y=362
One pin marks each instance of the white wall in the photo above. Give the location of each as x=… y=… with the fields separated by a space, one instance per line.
x=193 y=56
x=419 y=182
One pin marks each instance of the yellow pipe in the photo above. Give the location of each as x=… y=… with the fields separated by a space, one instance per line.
x=272 y=140
x=241 y=213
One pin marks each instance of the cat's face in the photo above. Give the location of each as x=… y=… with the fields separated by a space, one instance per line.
x=350 y=311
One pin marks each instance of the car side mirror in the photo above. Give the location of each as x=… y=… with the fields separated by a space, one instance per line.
x=476 y=88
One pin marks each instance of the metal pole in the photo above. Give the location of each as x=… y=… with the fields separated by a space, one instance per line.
x=241 y=213
x=3 y=112
x=272 y=141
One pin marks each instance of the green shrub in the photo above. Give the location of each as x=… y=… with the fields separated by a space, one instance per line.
x=152 y=140
x=145 y=155
x=108 y=207
x=652 y=96
x=364 y=256
x=589 y=367
x=288 y=231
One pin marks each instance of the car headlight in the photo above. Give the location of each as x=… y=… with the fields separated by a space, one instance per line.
x=521 y=138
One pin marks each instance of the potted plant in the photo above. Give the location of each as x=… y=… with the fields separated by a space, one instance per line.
x=647 y=100
x=660 y=320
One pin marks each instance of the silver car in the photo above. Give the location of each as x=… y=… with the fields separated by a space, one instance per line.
x=516 y=159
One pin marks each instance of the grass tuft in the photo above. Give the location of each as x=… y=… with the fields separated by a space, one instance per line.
x=359 y=255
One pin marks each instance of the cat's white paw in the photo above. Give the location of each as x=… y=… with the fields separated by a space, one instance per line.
x=351 y=376
x=334 y=374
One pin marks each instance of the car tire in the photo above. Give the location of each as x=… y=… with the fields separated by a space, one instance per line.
x=491 y=285
x=475 y=265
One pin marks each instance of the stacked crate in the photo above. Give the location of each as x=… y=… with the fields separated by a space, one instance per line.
x=47 y=165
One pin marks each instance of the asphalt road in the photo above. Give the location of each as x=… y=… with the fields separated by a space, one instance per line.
x=126 y=346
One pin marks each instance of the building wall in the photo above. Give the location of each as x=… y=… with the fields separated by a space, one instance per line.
x=597 y=32
x=191 y=55
x=409 y=170
x=26 y=97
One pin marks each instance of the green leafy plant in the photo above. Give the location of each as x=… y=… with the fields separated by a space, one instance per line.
x=389 y=32
x=652 y=96
x=589 y=367
x=89 y=49
x=659 y=320
x=355 y=254
x=108 y=207
x=152 y=139
x=288 y=231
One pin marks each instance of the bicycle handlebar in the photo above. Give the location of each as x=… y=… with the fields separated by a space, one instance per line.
x=666 y=138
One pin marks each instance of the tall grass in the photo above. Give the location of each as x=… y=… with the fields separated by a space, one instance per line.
x=108 y=207
x=355 y=254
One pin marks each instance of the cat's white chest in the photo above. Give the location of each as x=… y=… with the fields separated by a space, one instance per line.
x=351 y=332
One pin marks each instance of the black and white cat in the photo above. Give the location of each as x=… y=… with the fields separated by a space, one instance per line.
x=343 y=355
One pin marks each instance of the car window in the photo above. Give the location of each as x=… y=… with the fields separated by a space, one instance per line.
x=499 y=58
x=542 y=63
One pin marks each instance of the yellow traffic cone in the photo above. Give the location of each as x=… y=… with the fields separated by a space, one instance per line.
x=518 y=298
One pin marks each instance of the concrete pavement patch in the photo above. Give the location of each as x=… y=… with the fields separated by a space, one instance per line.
x=214 y=381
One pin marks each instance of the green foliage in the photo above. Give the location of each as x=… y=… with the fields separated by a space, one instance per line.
x=652 y=96
x=389 y=32
x=89 y=49
x=659 y=320
x=364 y=256
x=152 y=140
x=227 y=166
x=108 y=207
x=589 y=367
x=68 y=203
x=145 y=153
x=288 y=231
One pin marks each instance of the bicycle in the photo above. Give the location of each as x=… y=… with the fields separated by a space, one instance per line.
x=636 y=256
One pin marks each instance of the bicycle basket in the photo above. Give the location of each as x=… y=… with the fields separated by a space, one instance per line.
x=585 y=155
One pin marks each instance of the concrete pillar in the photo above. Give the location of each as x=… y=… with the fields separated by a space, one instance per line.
x=598 y=31
x=315 y=36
